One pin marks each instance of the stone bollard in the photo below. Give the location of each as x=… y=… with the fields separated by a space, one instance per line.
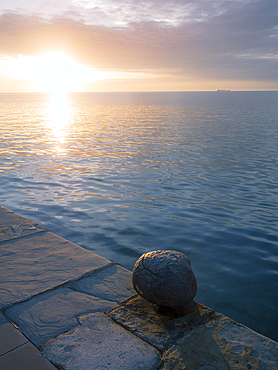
x=166 y=279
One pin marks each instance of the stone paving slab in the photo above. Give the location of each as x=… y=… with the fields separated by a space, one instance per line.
x=201 y=348
x=14 y=226
x=26 y=357
x=98 y=343
x=222 y=345
x=2 y=319
x=243 y=339
x=201 y=340
x=39 y=262
x=52 y=313
x=10 y=337
x=141 y=318
x=112 y=283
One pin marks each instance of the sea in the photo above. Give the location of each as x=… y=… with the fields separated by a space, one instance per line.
x=122 y=174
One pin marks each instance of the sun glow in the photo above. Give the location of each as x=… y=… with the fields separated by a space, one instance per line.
x=56 y=72
x=52 y=72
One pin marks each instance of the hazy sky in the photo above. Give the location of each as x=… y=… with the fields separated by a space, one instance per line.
x=162 y=44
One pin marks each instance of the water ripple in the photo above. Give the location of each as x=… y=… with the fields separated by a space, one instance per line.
x=124 y=174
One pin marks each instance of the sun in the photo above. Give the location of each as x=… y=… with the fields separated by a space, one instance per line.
x=57 y=72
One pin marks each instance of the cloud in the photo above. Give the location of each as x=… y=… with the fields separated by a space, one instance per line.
x=114 y=13
x=122 y=13
x=217 y=39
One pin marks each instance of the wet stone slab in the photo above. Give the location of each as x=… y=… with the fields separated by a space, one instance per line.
x=112 y=283
x=98 y=343
x=14 y=226
x=40 y=262
x=52 y=313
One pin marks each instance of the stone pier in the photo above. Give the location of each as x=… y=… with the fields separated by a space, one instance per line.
x=64 y=307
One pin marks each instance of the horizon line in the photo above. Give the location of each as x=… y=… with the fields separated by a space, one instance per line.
x=129 y=91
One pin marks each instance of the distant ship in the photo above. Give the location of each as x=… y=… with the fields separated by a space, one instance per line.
x=221 y=90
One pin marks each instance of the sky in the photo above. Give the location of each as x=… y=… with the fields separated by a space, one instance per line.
x=146 y=45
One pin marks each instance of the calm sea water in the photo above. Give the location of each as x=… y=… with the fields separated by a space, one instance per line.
x=122 y=174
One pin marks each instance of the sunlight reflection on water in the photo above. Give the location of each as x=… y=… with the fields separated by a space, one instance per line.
x=59 y=113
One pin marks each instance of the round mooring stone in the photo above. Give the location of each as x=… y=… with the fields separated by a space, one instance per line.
x=165 y=278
